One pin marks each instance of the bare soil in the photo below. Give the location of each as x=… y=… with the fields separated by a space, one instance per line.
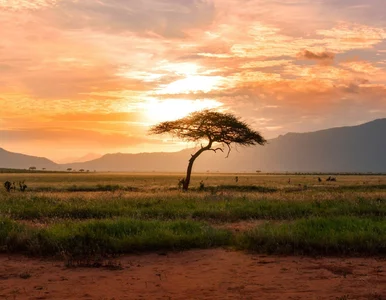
x=197 y=274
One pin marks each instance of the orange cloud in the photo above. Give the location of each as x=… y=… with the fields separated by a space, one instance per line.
x=318 y=56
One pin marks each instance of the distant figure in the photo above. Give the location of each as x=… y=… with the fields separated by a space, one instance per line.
x=22 y=186
x=329 y=178
x=333 y=179
x=319 y=179
x=7 y=186
x=237 y=179
x=202 y=185
x=181 y=183
x=289 y=180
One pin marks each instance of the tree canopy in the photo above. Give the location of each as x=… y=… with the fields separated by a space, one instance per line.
x=216 y=127
x=220 y=130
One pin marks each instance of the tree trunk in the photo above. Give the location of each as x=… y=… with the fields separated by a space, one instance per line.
x=190 y=165
x=188 y=172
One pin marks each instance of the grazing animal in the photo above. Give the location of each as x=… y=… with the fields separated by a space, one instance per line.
x=319 y=179
x=329 y=178
x=22 y=186
x=333 y=179
x=181 y=183
x=8 y=186
x=202 y=185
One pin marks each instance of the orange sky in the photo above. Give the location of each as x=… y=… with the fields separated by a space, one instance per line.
x=80 y=76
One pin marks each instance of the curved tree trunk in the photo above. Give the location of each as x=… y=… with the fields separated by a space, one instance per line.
x=188 y=173
x=190 y=165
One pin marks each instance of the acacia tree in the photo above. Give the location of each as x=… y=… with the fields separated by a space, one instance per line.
x=220 y=130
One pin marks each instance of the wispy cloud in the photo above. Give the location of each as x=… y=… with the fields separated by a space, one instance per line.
x=317 y=56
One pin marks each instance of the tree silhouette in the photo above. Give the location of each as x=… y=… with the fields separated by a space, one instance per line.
x=220 y=130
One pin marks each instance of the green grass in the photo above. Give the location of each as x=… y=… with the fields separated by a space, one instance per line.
x=319 y=236
x=97 y=214
x=198 y=206
x=316 y=236
x=109 y=237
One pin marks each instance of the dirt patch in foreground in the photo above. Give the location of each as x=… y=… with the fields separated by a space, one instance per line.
x=198 y=274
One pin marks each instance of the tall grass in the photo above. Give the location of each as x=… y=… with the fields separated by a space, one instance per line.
x=109 y=236
x=319 y=236
x=315 y=236
x=189 y=206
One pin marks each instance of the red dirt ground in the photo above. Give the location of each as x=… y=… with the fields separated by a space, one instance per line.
x=197 y=274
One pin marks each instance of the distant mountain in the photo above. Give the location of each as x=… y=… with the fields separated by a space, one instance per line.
x=87 y=157
x=142 y=162
x=22 y=161
x=359 y=148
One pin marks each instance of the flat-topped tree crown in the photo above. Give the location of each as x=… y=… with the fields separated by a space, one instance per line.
x=220 y=130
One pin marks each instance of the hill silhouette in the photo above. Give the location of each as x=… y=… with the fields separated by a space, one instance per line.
x=359 y=148
x=21 y=161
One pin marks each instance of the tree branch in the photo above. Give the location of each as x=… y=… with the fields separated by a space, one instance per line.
x=217 y=149
x=229 y=149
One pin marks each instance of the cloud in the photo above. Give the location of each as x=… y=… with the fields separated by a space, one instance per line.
x=17 y=5
x=318 y=56
x=80 y=137
x=347 y=36
x=147 y=17
x=97 y=117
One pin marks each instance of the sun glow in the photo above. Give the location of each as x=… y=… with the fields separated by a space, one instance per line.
x=192 y=84
x=172 y=109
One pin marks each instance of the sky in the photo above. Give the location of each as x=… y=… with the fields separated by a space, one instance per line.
x=91 y=76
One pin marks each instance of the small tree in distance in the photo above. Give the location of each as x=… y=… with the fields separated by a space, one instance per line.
x=220 y=130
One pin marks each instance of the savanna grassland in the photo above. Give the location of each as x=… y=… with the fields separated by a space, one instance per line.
x=91 y=214
x=231 y=236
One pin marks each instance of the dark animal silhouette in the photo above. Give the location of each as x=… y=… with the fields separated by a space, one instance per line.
x=8 y=186
x=319 y=179
x=202 y=185
x=329 y=178
x=237 y=179
x=22 y=186
x=181 y=183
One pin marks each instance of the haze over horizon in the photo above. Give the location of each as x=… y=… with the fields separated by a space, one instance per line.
x=92 y=76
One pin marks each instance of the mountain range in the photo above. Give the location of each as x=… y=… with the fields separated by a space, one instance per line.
x=359 y=148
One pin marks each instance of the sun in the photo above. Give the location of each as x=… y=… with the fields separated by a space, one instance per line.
x=157 y=110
